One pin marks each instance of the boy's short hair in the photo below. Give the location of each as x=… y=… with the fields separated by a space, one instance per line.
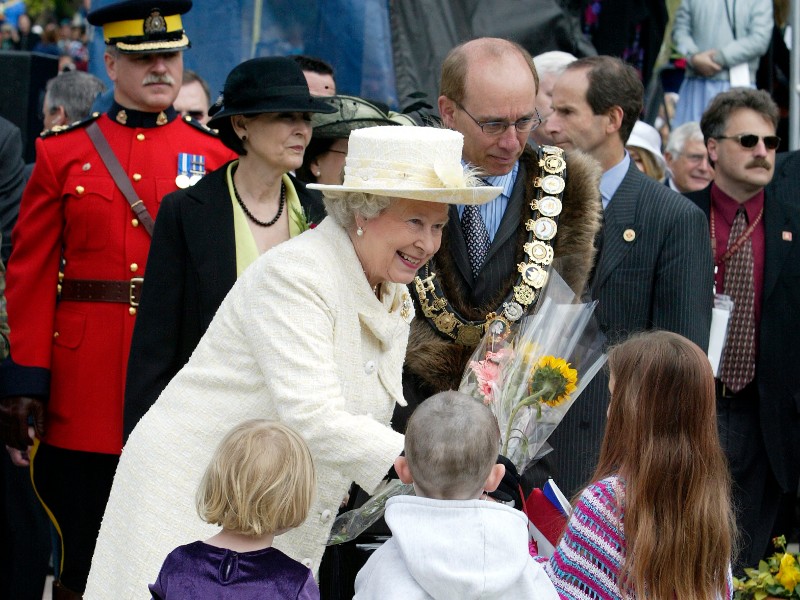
x=260 y=480
x=452 y=442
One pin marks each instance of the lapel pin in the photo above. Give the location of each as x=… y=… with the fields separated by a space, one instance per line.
x=786 y=236
x=629 y=235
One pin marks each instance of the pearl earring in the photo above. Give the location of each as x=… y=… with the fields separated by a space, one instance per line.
x=318 y=173
x=359 y=231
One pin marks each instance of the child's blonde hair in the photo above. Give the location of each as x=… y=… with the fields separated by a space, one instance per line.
x=260 y=480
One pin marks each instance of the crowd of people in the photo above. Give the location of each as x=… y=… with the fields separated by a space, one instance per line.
x=225 y=321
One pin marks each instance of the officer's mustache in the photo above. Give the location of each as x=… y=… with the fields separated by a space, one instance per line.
x=759 y=162
x=165 y=78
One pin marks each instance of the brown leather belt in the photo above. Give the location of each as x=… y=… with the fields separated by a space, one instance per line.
x=125 y=291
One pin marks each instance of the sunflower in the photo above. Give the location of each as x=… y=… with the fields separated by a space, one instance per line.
x=553 y=380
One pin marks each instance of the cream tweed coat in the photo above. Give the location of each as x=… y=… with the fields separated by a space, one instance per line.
x=300 y=338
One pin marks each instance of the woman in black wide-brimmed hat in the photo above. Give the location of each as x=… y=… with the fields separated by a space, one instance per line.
x=207 y=234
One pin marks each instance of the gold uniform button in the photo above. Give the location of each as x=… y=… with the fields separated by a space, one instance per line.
x=140 y=137
x=135 y=222
x=629 y=235
x=55 y=334
x=79 y=189
x=134 y=267
x=137 y=177
x=132 y=310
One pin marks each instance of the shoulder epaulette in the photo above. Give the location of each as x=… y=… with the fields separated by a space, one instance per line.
x=198 y=125
x=59 y=129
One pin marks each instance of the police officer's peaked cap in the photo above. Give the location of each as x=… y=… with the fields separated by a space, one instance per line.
x=143 y=26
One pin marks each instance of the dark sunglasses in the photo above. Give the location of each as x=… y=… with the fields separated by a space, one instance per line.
x=749 y=140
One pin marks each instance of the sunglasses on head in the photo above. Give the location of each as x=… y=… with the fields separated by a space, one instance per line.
x=749 y=140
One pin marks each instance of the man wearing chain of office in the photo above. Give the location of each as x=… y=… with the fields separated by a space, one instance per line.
x=495 y=259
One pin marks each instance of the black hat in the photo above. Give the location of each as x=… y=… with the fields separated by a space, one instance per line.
x=265 y=85
x=143 y=26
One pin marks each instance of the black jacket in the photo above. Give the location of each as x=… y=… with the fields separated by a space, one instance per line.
x=190 y=269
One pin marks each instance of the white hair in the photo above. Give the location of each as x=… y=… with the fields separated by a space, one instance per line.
x=553 y=62
x=344 y=209
x=678 y=137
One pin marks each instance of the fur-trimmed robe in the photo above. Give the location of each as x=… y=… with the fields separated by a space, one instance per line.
x=434 y=362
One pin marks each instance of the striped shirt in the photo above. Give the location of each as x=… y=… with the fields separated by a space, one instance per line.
x=587 y=561
x=492 y=212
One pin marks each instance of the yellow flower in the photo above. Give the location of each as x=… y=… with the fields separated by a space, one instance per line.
x=789 y=573
x=554 y=379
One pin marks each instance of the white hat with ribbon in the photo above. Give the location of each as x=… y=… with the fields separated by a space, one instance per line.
x=418 y=163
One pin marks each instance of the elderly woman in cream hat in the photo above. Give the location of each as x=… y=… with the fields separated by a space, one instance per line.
x=313 y=335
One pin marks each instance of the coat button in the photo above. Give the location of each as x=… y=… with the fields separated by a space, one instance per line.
x=135 y=222
x=132 y=311
x=140 y=137
x=325 y=516
x=307 y=562
x=369 y=367
x=55 y=334
x=79 y=189
x=137 y=177
x=134 y=267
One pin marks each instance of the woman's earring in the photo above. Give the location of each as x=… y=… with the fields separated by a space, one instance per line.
x=244 y=138
x=359 y=231
x=318 y=173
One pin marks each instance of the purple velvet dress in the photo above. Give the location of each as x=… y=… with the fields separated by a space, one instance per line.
x=199 y=570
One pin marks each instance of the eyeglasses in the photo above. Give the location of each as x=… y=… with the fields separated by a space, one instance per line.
x=694 y=158
x=337 y=151
x=524 y=125
x=749 y=140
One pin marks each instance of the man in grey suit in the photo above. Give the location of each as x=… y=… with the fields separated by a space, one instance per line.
x=758 y=389
x=653 y=267
x=488 y=94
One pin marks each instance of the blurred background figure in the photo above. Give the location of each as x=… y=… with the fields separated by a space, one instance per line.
x=318 y=74
x=644 y=146
x=194 y=97
x=69 y=97
x=722 y=45
x=549 y=65
x=687 y=159
x=324 y=158
x=26 y=39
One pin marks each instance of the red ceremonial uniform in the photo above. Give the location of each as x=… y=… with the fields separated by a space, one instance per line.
x=74 y=353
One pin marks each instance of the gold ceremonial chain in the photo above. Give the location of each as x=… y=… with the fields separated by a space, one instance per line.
x=541 y=227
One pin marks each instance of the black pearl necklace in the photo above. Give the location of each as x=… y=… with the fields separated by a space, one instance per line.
x=250 y=215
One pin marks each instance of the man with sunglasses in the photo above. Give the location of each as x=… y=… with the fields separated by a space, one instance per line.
x=652 y=269
x=488 y=94
x=755 y=233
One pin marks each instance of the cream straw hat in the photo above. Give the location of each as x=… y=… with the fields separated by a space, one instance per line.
x=418 y=163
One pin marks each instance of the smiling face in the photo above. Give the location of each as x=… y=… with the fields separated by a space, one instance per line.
x=401 y=239
x=690 y=169
x=742 y=172
x=277 y=139
x=497 y=89
x=146 y=82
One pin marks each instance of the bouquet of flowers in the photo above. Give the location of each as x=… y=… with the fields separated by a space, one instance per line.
x=776 y=577
x=530 y=372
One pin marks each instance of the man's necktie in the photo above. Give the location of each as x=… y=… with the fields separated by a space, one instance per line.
x=476 y=236
x=739 y=357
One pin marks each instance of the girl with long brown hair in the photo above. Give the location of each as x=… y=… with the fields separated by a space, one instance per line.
x=657 y=521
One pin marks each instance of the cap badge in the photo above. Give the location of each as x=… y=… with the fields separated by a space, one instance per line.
x=155 y=23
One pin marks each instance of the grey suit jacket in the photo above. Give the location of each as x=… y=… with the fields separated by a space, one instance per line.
x=653 y=271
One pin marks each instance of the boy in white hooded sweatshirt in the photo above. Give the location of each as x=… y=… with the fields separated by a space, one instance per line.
x=449 y=541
